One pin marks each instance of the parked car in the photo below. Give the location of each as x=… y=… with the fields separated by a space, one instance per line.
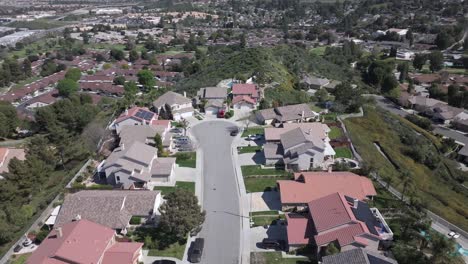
x=451 y=234
x=176 y=130
x=27 y=242
x=269 y=243
x=254 y=137
x=18 y=248
x=197 y=250
x=164 y=261
x=456 y=235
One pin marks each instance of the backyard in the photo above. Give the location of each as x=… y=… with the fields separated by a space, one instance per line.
x=257 y=179
x=433 y=187
x=343 y=152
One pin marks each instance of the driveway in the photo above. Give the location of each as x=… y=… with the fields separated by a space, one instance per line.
x=388 y=105
x=221 y=195
x=264 y=201
x=257 y=234
x=252 y=158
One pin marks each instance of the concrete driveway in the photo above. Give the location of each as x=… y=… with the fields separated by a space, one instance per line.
x=257 y=234
x=252 y=158
x=221 y=195
x=264 y=201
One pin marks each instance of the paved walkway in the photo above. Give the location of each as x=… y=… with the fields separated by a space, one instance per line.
x=251 y=158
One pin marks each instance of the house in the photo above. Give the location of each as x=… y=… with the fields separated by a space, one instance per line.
x=136 y=166
x=314 y=83
x=308 y=186
x=460 y=122
x=286 y=114
x=146 y=134
x=214 y=97
x=112 y=209
x=6 y=155
x=403 y=54
x=298 y=146
x=439 y=111
x=83 y=241
x=135 y=116
x=244 y=102
x=42 y=100
x=173 y=106
x=358 y=256
x=339 y=219
x=245 y=96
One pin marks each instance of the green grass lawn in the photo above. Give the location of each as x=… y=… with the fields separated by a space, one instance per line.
x=253 y=130
x=175 y=251
x=19 y=259
x=330 y=117
x=273 y=212
x=275 y=258
x=186 y=159
x=249 y=149
x=256 y=170
x=264 y=220
x=335 y=132
x=189 y=186
x=320 y=51
x=260 y=184
x=437 y=192
x=343 y=152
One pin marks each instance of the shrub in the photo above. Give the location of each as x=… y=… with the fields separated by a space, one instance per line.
x=419 y=121
x=41 y=235
x=79 y=179
x=135 y=220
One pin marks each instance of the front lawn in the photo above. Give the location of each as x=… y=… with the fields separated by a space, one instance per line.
x=275 y=258
x=260 y=184
x=265 y=217
x=189 y=186
x=256 y=170
x=175 y=250
x=343 y=152
x=253 y=130
x=186 y=159
x=20 y=259
x=335 y=132
x=249 y=149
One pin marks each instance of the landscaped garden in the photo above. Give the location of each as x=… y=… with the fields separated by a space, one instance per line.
x=186 y=159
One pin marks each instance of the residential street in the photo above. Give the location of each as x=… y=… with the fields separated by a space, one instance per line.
x=388 y=105
x=221 y=195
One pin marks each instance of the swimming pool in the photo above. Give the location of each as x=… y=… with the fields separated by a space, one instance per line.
x=461 y=250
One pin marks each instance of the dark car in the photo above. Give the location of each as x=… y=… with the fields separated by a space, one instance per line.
x=268 y=243
x=197 y=250
x=234 y=133
x=17 y=248
x=164 y=261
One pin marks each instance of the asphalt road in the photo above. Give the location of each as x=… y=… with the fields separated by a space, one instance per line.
x=222 y=226
x=388 y=105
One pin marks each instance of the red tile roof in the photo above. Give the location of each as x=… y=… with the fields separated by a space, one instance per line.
x=298 y=229
x=243 y=98
x=131 y=113
x=82 y=242
x=309 y=186
x=122 y=253
x=330 y=211
x=245 y=89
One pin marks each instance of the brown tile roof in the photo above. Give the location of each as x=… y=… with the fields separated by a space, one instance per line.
x=309 y=186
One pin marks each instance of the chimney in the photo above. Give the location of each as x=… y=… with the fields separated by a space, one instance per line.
x=185 y=94
x=356 y=203
x=126 y=112
x=330 y=169
x=58 y=230
x=302 y=115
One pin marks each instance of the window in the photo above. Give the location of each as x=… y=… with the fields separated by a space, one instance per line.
x=312 y=163
x=117 y=178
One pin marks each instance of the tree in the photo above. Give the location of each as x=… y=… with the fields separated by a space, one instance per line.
x=117 y=54
x=119 y=80
x=243 y=41
x=67 y=87
x=436 y=61
x=73 y=74
x=130 y=91
x=146 y=78
x=389 y=83
x=133 y=55
x=403 y=68
x=85 y=37
x=443 y=40
x=26 y=67
x=409 y=36
x=8 y=119
x=331 y=249
x=184 y=124
x=180 y=214
x=419 y=61
x=158 y=143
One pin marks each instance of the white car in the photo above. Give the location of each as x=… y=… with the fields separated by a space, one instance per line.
x=456 y=235
x=451 y=234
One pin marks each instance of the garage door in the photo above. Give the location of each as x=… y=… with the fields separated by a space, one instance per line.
x=211 y=110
